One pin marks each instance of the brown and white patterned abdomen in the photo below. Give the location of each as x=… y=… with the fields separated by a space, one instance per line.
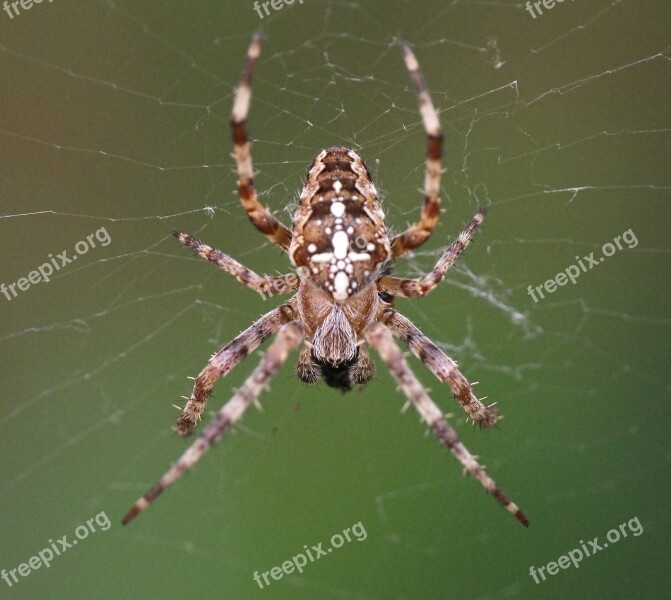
x=339 y=230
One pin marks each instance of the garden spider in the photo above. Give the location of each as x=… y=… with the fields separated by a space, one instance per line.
x=344 y=295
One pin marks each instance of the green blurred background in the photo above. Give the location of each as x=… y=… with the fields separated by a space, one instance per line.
x=114 y=114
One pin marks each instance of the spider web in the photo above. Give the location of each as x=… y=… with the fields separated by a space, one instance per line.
x=115 y=118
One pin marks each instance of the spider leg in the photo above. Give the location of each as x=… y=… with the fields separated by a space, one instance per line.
x=442 y=366
x=258 y=214
x=266 y=286
x=288 y=338
x=379 y=336
x=419 y=232
x=421 y=287
x=226 y=359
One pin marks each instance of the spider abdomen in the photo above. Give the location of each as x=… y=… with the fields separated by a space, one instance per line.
x=339 y=233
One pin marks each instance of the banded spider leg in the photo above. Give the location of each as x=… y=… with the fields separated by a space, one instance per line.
x=288 y=338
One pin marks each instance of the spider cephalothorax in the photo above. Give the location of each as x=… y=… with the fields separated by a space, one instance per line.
x=342 y=297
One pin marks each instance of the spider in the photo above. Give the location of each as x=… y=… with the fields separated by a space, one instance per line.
x=343 y=296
